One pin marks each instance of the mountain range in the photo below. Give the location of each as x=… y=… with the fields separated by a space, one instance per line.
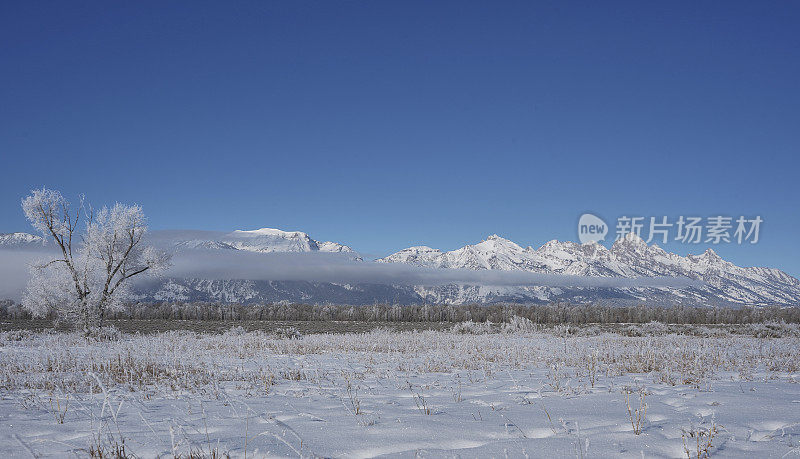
x=629 y=257
x=718 y=282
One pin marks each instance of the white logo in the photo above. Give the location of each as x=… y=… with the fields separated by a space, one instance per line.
x=689 y=230
x=591 y=228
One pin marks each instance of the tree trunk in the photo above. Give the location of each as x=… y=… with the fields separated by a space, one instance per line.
x=101 y=314
x=86 y=317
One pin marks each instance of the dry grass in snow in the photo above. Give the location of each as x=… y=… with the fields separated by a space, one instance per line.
x=473 y=391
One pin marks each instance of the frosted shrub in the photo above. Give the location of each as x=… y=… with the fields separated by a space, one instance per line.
x=770 y=330
x=632 y=330
x=16 y=335
x=519 y=324
x=654 y=328
x=109 y=333
x=783 y=329
x=707 y=332
x=698 y=441
x=288 y=333
x=637 y=416
x=590 y=330
x=472 y=328
x=236 y=330
x=648 y=329
x=565 y=330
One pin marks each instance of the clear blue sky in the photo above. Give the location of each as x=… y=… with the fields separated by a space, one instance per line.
x=388 y=124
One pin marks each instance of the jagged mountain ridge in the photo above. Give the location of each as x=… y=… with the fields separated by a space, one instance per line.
x=629 y=257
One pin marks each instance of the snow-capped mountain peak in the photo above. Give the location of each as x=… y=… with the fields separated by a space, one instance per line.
x=270 y=232
x=20 y=240
x=271 y=240
x=264 y=240
x=629 y=257
x=418 y=255
x=630 y=239
x=495 y=237
x=333 y=247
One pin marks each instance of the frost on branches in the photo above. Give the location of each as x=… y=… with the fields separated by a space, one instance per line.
x=89 y=277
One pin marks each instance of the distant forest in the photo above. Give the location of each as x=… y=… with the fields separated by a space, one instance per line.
x=555 y=313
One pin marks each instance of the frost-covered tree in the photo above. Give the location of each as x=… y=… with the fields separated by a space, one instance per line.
x=90 y=275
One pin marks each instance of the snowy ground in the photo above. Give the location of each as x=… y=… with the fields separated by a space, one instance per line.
x=516 y=393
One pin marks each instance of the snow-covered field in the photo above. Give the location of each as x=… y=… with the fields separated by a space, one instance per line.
x=470 y=392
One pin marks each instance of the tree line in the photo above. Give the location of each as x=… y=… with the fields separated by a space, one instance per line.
x=553 y=313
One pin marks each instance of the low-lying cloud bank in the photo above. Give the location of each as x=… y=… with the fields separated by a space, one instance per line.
x=340 y=268
x=334 y=268
x=15 y=270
